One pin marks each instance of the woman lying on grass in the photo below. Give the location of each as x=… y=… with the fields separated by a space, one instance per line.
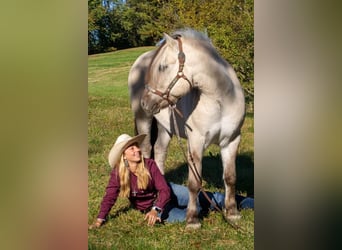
x=140 y=180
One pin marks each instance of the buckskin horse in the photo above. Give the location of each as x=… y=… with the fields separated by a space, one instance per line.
x=187 y=74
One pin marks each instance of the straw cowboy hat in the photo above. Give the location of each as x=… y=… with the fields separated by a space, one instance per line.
x=122 y=142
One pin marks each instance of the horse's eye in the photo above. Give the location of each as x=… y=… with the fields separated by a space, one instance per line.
x=162 y=67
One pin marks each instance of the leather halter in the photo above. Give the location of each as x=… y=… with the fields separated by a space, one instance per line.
x=166 y=94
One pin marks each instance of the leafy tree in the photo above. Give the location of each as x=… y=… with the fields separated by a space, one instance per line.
x=131 y=23
x=104 y=30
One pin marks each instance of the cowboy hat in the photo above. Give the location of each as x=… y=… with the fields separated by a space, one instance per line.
x=122 y=142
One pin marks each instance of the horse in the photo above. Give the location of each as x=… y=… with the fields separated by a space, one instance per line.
x=187 y=73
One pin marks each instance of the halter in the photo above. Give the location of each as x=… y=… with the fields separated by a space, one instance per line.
x=166 y=94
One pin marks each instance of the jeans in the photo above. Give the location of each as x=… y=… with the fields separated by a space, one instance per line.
x=175 y=211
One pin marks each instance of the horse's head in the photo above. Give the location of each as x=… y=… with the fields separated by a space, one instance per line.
x=165 y=81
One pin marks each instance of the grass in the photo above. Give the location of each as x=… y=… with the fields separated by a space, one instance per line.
x=109 y=115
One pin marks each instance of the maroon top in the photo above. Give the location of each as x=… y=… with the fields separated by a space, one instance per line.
x=157 y=192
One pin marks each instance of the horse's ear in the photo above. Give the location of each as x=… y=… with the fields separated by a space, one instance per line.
x=170 y=41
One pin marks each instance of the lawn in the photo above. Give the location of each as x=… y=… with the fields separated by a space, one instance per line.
x=109 y=115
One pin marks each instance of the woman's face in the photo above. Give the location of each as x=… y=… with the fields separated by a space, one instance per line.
x=132 y=153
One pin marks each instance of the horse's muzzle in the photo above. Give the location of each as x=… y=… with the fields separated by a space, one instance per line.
x=150 y=107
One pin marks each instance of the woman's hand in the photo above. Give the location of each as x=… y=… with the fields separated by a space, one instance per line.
x=152 y=217
x=96 y=224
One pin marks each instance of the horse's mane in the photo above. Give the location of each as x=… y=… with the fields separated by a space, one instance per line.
x=192 y=34
x=203 y=41
x=186 y=33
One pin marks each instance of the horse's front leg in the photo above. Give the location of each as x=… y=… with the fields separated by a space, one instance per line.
x=143 y=123
x=160 y=147
x=195 y=173
x=228 y=155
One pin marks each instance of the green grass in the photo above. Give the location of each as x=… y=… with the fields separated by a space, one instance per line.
x=109 y=115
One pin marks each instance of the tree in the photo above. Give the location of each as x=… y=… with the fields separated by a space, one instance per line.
x=104 y=30
x=131 y=23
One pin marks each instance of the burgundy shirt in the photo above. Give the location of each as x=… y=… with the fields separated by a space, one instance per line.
x=157 y=192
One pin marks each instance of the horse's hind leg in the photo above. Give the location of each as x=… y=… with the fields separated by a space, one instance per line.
x=228 y=155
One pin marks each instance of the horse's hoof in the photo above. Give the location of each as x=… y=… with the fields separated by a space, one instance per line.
x=234 y=217
x=193 y=226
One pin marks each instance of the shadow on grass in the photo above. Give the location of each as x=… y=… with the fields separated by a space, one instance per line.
x=212 y=173
x=116 y=213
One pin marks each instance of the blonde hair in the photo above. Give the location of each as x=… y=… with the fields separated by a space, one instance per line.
x=142 y=173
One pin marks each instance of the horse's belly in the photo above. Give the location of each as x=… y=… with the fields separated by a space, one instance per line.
x=216 y=132
x=212 y=135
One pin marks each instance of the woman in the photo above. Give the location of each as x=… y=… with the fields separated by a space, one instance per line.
x=141 y=181
x=136 y=178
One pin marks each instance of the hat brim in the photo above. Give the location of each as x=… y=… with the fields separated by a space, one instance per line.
x=117 y=150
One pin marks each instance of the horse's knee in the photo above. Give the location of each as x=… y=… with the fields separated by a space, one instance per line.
x=230 y=179
x=159 y=158
x=146 y=149
x=194 y=187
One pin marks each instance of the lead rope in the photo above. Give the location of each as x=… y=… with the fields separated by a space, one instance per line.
x=194 y=169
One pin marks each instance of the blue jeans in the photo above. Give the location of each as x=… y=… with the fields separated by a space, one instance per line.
x=176 y=209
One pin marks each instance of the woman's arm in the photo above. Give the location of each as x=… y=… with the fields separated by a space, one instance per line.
x=160 y=185
x=164 y=193
x=111 y=195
